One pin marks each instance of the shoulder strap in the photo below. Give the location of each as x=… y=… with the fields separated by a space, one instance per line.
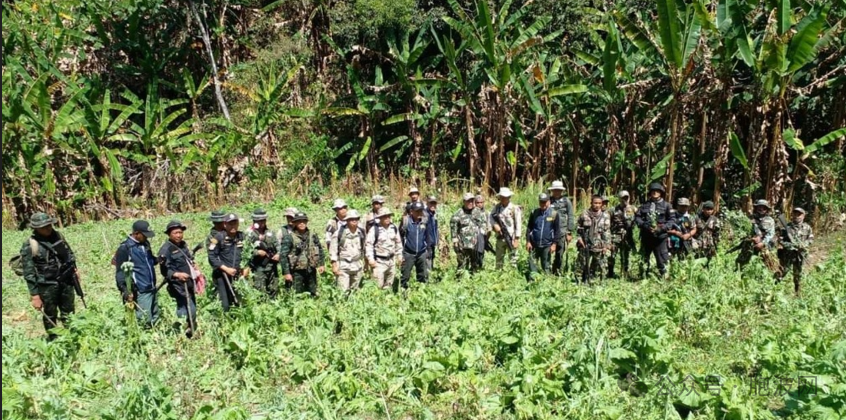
x=33 y=246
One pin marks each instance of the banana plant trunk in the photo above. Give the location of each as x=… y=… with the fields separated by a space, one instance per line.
x=472 y=153
x=674 y=135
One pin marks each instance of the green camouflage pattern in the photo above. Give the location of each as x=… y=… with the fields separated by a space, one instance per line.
x=464 y=227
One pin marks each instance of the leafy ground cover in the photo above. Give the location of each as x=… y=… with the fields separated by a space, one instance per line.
x=706 y=344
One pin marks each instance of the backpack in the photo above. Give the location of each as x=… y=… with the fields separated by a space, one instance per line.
x=376 y=236
x=342 y=239
x=16 y=263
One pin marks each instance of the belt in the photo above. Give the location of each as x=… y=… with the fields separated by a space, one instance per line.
x=384 y=257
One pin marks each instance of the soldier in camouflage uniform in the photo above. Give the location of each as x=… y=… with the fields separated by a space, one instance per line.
x=682 y=230
x=302 y=257
x=796 y=238
x=707 y=233
x=384 y=250
x=506 y=220
x=346 y=252
x=280 y=237
x=337 y=222
x=564 y=207
x=479 y=202
x=763 y=235
x=622 y=234
x=46 y=261
x=466 y=228
x=264 y=258
x=594 y=243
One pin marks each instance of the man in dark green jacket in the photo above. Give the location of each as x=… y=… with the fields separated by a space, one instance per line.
x=47 y=262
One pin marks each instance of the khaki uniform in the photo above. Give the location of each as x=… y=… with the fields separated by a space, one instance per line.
x=386 y=252
x=509 y=218
x=347 y=249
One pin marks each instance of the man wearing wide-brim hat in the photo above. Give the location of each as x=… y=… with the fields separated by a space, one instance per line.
x=506 y=222
x=564 y=207
x=47 y=262
x=179 y=270
x=265 y=254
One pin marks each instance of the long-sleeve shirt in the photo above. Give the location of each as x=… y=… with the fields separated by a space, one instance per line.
x=44 y=267
x=659 y=212
x=414 y=232
x=143 y=261
x=565 y=210
x=225 y=250
x=511 y=216
x=350 y=254
x=176 y=258
x=545 y=227
x=383 y=243
x=432 y=234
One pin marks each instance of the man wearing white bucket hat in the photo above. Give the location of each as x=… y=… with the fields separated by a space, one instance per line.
x=564 y=207
x=506 y=219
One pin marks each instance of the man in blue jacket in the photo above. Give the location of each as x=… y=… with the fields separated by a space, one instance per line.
x=544 y=233
x=134 y=261
x=415 y=247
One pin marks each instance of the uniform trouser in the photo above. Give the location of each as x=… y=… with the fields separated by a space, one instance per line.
x=266 y=279
x=595 y=263
x=658 y=248
x=384 y=272
x=501 y=249
x=538 y=261
x=468 y=260
x=56 y=297
x=794 y=260
x=419 y=263
x=184 y=304
x=349 y=279
x=305 y=281
x=226 y=291
x=558 y=258
x=147 y=311
x=623 y=248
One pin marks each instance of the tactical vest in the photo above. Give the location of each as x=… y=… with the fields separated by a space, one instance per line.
x=305 y=255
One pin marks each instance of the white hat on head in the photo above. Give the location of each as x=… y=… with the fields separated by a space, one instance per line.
x=339 y=204
x=556 y=185
x=352 y=214
x=505 y=192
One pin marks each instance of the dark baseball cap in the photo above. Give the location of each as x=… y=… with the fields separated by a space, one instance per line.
x=415 y=206
x=143 y=226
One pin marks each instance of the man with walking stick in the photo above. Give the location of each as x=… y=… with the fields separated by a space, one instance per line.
x=180 y=272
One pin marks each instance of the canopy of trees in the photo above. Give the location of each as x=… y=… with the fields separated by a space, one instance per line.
x=175 y=102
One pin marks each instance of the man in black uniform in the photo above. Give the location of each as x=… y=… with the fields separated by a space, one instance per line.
x=225 y=252
x=179 y=270
x=653 y=218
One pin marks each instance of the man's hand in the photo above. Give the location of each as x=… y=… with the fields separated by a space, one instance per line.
x=759 y=245
x=580 y=243
x=289 y=278
x=372 y=264
x=497 y=228
x=569 y=237
x=321 y=269
x=515 y=243
x=231 y=272
x=552 y=248
x=528 y=246
x=261 y=253
x=128 y=297
x=183 y=277
x=36 y=302
x=335 y=270
x=275 y=258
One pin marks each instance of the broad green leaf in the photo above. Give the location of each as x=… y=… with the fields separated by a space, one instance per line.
x=610 y=57
x=637 y=36
x=803 y=48
x=784 y=16
x=791 y=140
x=823 y=141
x=392 y=143
x=670 y=32
x=567 y=90
x=737 y=149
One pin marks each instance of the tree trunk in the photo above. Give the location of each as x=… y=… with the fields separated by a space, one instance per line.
x=700 y=169
x=773 y=189
x=472 y=153
x=207 y=42
x=674 y=135
x=576 y=158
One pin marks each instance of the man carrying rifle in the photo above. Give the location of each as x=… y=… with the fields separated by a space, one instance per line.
x=225 y=251
x=796 y=238
x=762 y=239
x=216 y=218
x=177 y=266
x=654 y=218
x=622 y=234
x=134 y=258
x=49 y=268
x=302 y=256
x=265 y=254
x=506 y=220
x=594 y=240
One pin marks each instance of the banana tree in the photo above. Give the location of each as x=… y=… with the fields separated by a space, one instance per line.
x=674 y=52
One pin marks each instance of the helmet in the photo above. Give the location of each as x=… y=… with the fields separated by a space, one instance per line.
x=762 y=203
x=684 y=202
x=657 y=186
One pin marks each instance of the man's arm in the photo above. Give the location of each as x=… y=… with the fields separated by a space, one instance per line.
x=518 y=222
x=321 y=255
x=30 y=274
x=333 y=247
x=284 y=250
x=214 y=252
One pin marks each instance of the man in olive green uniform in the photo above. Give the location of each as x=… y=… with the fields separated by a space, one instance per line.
x=707 y=233
x=467 y=228
x=346 y=252
x=265 y=254
x=763 y=238
x=622 y=234
x=480 y=247
x=47 y=262
x=506 y=220
x=594 y=243
x=796 y=238
x=302 y=257
x=280 y=237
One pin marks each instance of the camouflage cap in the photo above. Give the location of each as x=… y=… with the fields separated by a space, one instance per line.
x=762 y=203
x=300 y=216
x=352 y=215
x=432 y=199
x=468 y=197
x=605 y=199
x=479 y=198
x=543 y=197
x=684 y=201
x=291 y=211
x=799 y=210
x=377 y=199
x=708 y=205
x=217 y=216
x=259 y=214
x=339 y=204
x=174 y=224
x=623 y=193
x=40 y=220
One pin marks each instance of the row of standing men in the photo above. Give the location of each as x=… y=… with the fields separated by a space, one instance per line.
x=379 y=246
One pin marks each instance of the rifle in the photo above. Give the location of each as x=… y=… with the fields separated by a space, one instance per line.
x=786 y=233
x=229 y=286
x=503 y=231
x=69 y=269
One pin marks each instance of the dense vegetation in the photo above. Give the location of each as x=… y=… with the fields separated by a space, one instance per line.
x=490 y=347
x=114 y=104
